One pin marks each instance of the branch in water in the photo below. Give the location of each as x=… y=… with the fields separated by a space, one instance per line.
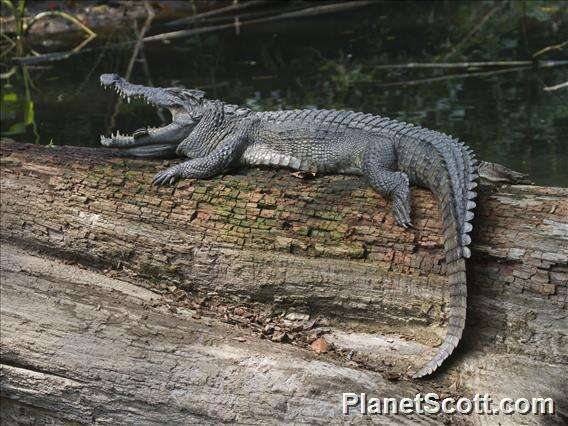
x=451 y=77
x=542 y=64
x=556 y=87
x=310 y=11
x=559 y=46
x=232 y=8
x=457 y=64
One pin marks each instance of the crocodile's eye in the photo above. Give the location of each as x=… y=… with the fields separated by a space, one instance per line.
x=196 y=113
x=189 y=97
x=196 y=94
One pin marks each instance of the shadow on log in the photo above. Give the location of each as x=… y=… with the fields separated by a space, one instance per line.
x=283 y=259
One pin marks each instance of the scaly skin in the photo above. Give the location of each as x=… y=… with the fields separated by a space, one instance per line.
x=391 y=155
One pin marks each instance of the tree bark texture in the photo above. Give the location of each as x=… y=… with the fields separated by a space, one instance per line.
x=286 y=260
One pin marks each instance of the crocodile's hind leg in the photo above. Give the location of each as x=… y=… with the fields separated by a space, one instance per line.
x=378 y=165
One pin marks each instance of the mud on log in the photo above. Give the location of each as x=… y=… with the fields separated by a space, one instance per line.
x=266 y=241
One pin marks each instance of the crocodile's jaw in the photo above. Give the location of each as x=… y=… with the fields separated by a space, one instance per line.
x=155 y=96
x=172 y=133
x=147 y=136
x=117 y=138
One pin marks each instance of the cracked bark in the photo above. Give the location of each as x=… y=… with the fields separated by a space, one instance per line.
x=79 y=348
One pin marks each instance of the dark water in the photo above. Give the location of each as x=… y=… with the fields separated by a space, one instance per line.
x=328 y=62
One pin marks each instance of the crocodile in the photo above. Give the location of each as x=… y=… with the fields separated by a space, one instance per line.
x=215 y=136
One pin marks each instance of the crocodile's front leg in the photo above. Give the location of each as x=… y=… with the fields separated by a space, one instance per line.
x=211 y=165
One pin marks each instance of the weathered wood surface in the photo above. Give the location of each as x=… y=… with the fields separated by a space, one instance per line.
x=326 y=247
x=89 y=348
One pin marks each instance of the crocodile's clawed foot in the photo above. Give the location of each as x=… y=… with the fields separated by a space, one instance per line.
x=401 y=210
x=402 y=218
x=167 y=177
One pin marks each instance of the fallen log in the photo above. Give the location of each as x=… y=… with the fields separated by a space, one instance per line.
x=92 y=349
x=324 y=249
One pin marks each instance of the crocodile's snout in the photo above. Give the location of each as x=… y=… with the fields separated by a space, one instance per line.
x=108 y=79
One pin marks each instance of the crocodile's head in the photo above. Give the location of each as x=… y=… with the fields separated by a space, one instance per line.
x=185 y=106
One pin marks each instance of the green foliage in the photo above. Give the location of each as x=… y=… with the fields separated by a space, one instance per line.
x=18 y=108
x=18 y=11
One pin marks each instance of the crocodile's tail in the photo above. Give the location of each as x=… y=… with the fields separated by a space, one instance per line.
x=448 y=168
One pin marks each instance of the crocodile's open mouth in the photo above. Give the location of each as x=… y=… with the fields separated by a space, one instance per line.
x=128 y=91
x=155 y=139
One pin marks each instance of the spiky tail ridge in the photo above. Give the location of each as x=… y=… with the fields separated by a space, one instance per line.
x=448 y=168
